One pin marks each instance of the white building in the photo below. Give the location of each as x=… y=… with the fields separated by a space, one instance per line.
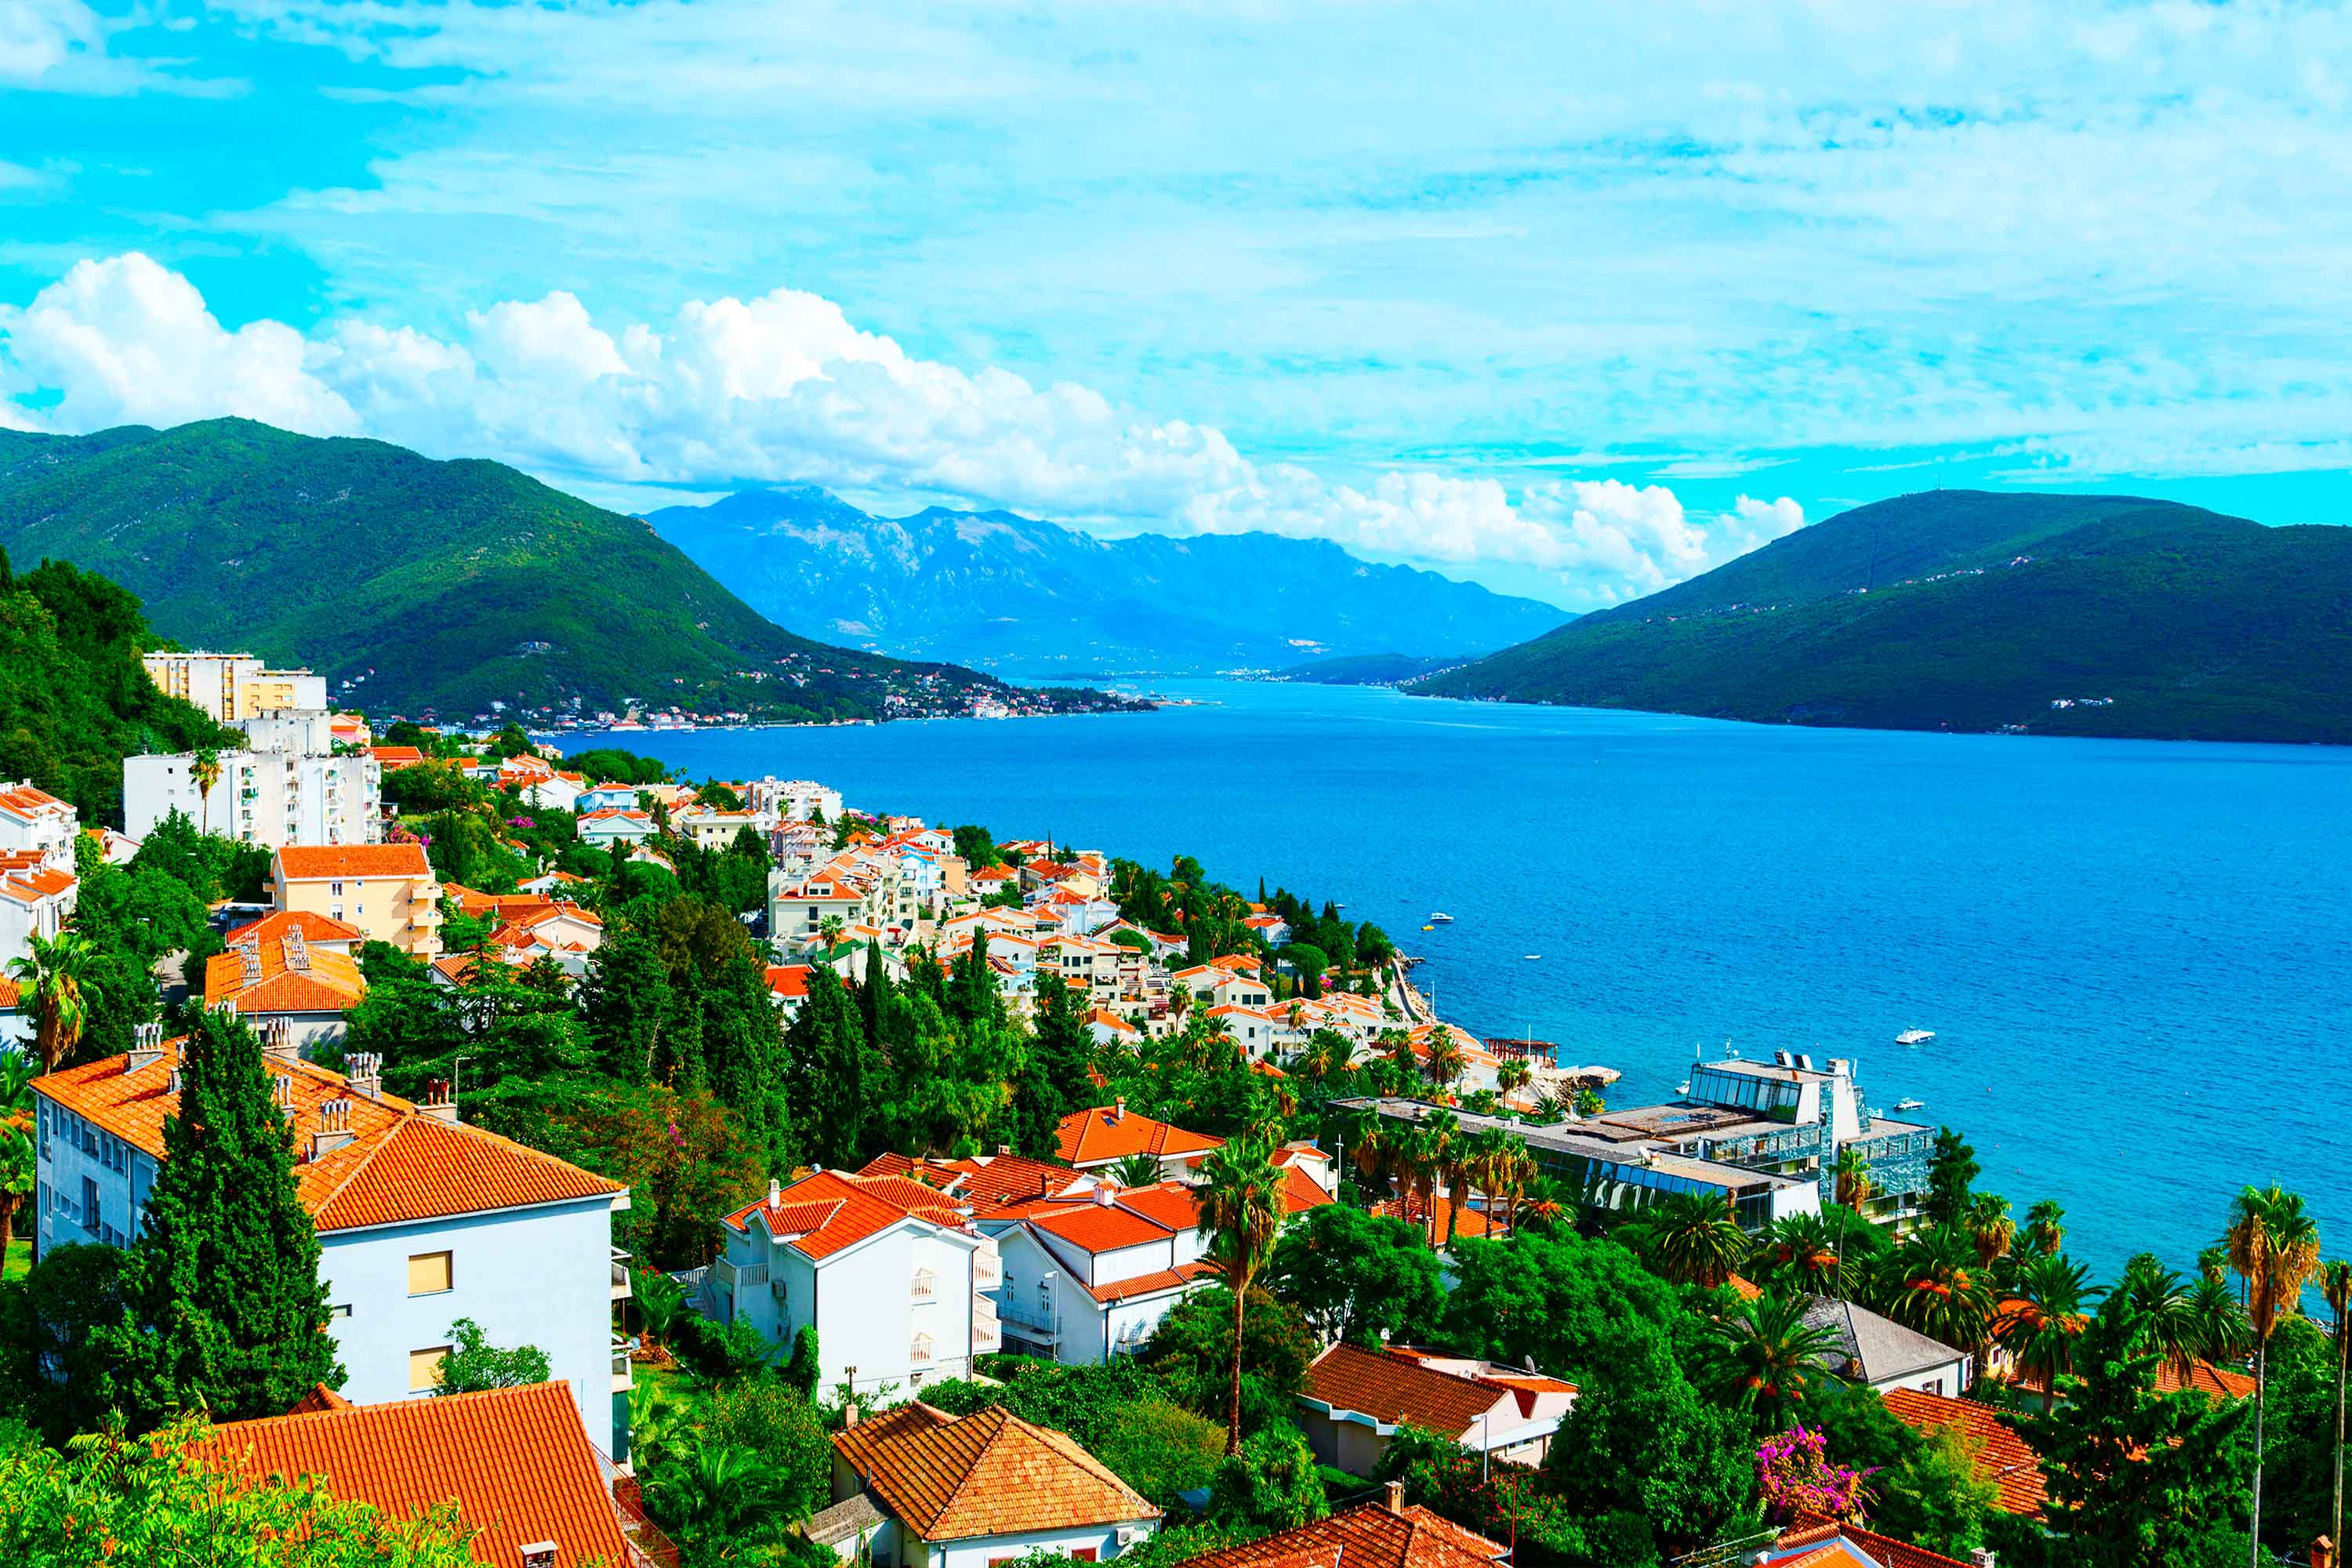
x=1356 y=1400
x=1088 y=1280
x=272 y=798
x=917 y=1487
x=38 y=889
x=422 y=1221
x=233 y=686
x=602 y=826
x=793 y=800
x=890 y=1273
x=35 y=823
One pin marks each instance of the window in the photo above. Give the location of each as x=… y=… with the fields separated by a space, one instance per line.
x=425 y=1368
x=428 y=1274
x=335 y=889
x=921 y=1349
x=89 y=1206
x=1084 y=1554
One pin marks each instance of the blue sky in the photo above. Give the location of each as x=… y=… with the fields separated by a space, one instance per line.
x=1572 y=302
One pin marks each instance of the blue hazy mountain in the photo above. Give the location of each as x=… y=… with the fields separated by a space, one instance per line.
x=995 y=589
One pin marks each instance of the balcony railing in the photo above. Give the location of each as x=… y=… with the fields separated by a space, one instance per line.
x=622 y=1379
x=922 y=1288
x=621 y=1290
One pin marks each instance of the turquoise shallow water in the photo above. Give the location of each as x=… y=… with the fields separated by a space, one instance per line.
x=2136 y=955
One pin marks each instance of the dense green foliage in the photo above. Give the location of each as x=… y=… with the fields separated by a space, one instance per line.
x=74 y=699
x=223 y=1306
x=455 y=585
x=1962 y=610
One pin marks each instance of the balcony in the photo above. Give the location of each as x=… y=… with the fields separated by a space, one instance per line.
x=622 y=1290
x=987 y=1273
x=924 y=1287
x=987 y=1333
x=622 y=1379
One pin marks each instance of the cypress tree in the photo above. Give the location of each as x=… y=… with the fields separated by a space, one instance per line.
x=874 y=996
x=824 y=1053
x=223 y=1305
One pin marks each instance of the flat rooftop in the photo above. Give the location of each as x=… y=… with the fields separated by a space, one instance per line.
x=1589 y=1141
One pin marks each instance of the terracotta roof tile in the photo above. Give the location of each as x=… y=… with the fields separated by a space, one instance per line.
x=986 y=1474
x=1107 y=1132
x=304 y=862
x=1396 y=1389
x=1153 y=1283
x=1096 y=1227
x=313 y=927
x=2005 y=1460
x=403 y=1164
x=827 y=1211
x=1365 y=1536
x=331 y=983
x=514 y=1460
x=1882 y=1550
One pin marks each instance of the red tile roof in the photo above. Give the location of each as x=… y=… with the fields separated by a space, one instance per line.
x=313 y=927
x=309 y=862
x=1108 y=1132
x=1394 y=1389
x=1160 y=1280
x=330 y=982
x=788 y=980
x=2004 y=1460
x=1365 y=1536
x=827 y=1211
x=514 y=1460
x=1882 y=1550
x=1096 y=1227
x=986 y=1474
x=403 y=1164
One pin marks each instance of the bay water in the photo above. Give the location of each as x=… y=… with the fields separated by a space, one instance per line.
x=2136 y=956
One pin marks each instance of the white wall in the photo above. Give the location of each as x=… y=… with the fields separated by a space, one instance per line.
x=295 y=799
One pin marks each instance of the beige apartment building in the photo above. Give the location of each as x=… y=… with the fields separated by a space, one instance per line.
x=387 y=890
x=234 y=686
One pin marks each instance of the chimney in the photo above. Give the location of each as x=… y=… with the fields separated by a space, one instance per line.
x=775 y=1191
x=146 y=1047
x=364 y=1074
x=2323 y=1554
x=277 y=1041
x=281 y=1095
x=1393 y=1496
x=437 y=1103
x=1979 y=1558
x=1105 y=1193
x=249 y=966
x=539 y=1554
x=334 y=1128
x=1118 y=1111
x=297 y=950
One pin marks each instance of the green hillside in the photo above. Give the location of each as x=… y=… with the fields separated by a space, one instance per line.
x=1368 y=669
x=1965 y=610
x=74 y=699
x=432 y=585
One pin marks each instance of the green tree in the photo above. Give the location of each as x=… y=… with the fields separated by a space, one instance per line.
x=1358 y=1278
x=825 y=1066
x=1240 y=1213
x=2042 y=1316
x=1191 y=1353
x=1951 y=1167
x=1691 y=1238
x=1934 y=1284
x=1937 y=1498
x=1271 y=1484
x=1550 y=1299
x=2335 y=1285
x=1767 y=1359
x=625 y=1002
x=54 y=978
x=222 y=1301
x=685 y=1158
x=168 y=1499
x=2138 y=1479
x=2274 y=1247
x=473 y=1363
x=53 y=1360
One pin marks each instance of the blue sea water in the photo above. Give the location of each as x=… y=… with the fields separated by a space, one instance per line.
x=2137 y=956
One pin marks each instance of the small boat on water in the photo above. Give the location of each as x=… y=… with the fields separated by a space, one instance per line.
x=1441 y=918
x=1531 y=957
x=1915 y=1037
x=1683 y=1089
x=1428 y=928
x=1901 y=1105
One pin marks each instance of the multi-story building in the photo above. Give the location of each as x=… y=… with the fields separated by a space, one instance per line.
x=421 y=1219
x=270 y=797
x=792 y=800
x=387 y=890
x=38 y=889
x=35 y=823
x=890 y=1274
x=1606 y=1167
x=233 y=686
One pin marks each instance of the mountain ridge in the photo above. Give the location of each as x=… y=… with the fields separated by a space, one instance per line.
x=427 y=583
x=994 y=588
x=2107 y=616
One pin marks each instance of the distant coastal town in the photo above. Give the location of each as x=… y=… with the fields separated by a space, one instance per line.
x=567 y=1163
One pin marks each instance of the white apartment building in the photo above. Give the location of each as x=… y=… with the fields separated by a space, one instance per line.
x=889 y=1272
x=272 y=797
x=37 y=889
x=792 y=800
x=421 y=1220
x=234 y=686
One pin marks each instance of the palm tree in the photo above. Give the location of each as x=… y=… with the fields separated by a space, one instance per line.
x=1377 y=1151
x=1488 y=1162
x=1449 y=1156
x=2335 y=1285
x=1934 y=1285
x=2274 y=1247
x=2045 y=1227
x=1540 y=1200
x=204 y=767
x=2167 y=1305
x=1798 y=1254
x=1137 y=1170
x=1990 y=1229
x=1328 y=1055
x=1513 y=1075
x=1549 y=1109
x=16 y=1178
x=56 y=988
x=1767 y=1354
x=1851 y=1175
x=1444 y=1063
x=1693 y=1238
x=2043 y=1317
x=2222 y=1332
x=1240 y=1206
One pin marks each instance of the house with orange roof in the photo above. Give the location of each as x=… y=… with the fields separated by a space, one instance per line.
x=1356 y=1400
x=35 y=823
x=917 y=1487
x=2001 y=1456
x=422 y=1220
x=1107 y=1134
x=1215 y=985
x=1820 y=1543
x=600 y=827
x=1385 y=1533
x=709 y=827
x=37 y=900
x=388 y=890
x=514 y=1462
x=889 y=1272
x=282 y=985
x=320 y=933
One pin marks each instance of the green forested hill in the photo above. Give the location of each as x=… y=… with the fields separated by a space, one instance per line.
x=1966 y=610
x=434 y=586
x=74 y=699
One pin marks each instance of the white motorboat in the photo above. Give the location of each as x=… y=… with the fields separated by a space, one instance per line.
x=1903 y=1105
x=1441 y=918
x=1915 y=1037
x=1531 y=957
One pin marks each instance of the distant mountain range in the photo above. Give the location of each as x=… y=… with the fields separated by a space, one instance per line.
x=1371 y=668
x=1005 y=592
x=430 y=585
x=1966 y=610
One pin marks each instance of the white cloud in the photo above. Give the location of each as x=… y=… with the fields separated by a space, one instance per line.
x=37 y=36
x=785 y=387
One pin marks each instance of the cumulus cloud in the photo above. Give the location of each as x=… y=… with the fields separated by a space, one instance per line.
x=786 y=387
x=37 y=36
